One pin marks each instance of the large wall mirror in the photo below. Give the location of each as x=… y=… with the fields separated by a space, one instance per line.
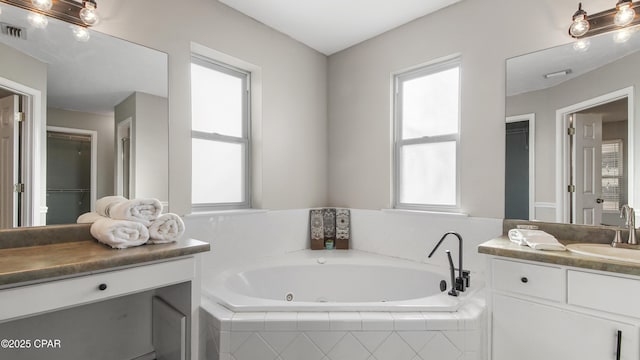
x=572 y=139
x=94 y=120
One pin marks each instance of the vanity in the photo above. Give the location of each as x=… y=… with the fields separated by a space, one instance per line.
x=63 y=295
x=561 y=304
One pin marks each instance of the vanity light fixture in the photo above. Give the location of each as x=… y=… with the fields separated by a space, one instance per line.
x=622 y=16
x=82 y=14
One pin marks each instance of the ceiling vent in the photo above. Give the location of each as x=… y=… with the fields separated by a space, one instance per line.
x=13 y=31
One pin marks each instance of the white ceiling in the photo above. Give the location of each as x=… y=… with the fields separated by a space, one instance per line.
x=333 y=25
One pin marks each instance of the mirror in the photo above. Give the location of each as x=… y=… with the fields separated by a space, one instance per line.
x=95 y=120
x=586 y=89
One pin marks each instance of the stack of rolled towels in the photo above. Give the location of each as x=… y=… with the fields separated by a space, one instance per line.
x=122 y=223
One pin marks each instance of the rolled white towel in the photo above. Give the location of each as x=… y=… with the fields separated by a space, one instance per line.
x=143 y=211
x=535 y=239
x=89 y=218
x=119 y=234
x=104 y=204
x=166 y=228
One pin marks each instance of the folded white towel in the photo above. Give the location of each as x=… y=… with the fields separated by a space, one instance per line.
x=104 y=204
x=89 y=218
x=141 y=210
x=535 y=239
x=119 y=234
x=166 y=228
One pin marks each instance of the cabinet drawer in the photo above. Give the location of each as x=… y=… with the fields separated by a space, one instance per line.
x=540 y=281
x=54 y=295
x=612 y=294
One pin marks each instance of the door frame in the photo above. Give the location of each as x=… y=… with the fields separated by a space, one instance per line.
x=562 y=146
x=531 y=118
x=35 y=207
x=94 y=156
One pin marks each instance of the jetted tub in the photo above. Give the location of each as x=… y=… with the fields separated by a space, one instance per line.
x=338 y=304
x=334 y=280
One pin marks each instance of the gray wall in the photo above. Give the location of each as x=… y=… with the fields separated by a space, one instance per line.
x=291 y=136
x=345 y=151
x=149 y=149
x=101 y=123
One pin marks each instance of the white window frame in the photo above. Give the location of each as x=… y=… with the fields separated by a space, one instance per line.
x=398 y=142
x=245 y=139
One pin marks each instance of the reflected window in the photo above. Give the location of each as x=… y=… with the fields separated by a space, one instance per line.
x=612 y=175
x=427 y=118
x=220 y=135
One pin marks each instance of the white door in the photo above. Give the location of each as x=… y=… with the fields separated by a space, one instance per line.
x=588 y=169
x=8 y=161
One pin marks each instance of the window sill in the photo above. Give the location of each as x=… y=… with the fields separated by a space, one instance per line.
x=198 y=214
x=425 y=212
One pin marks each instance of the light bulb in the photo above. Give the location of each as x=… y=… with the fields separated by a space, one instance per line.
x=625 y=15
x=42 y=5
x=579 y=27
x=81 y=34
x=38 y=20
x=88 y=14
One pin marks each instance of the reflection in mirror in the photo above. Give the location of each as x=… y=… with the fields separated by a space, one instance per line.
x=81 y=100
x=583 y=146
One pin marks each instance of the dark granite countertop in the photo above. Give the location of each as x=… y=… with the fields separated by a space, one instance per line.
x=75 y=254
x=502 y=246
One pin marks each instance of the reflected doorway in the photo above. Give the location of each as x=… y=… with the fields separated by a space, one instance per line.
x=520 y=167
x=71 y=173
x=596 y=161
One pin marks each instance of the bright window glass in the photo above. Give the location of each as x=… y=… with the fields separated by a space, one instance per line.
x=220 y=177
x=430 y=104
x=216 y=101
x=218 y=172
x=427 y=117
x=427 y=175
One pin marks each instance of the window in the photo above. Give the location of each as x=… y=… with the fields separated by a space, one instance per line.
x=612 y=176
x=427 y=113
x=219 y=136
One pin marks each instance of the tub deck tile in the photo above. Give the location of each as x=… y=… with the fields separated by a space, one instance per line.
x=348 y=321
x=281 y=321
x=249 y=321
x=313 y=321
x=376 y=321
x=408 y=321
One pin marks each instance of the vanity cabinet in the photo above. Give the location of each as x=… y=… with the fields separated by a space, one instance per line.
x=541 y=311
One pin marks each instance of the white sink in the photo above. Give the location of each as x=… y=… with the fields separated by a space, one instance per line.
x=605 y=251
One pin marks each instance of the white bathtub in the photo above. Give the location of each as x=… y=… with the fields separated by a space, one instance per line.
x=344 y=305
x=335 y=280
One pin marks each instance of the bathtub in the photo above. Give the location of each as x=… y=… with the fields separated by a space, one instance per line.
x=335 y=281
x=340 y=305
